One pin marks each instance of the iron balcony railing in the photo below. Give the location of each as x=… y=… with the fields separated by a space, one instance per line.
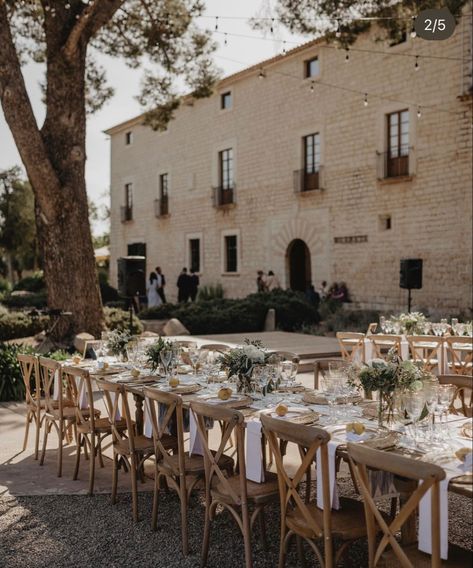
x=223 y=196
x=126 y=213
x=161 y=206
x=308 y=181
x=395 y=164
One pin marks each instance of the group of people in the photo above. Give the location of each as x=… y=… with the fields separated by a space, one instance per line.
x=338 y=292
x=267 y=282
x=187 y=286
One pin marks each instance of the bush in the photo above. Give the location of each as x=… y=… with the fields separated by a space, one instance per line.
x=120 y=319
x=221 y=315
x=4 y=285
x=33 y=283
x=344 y=320
x=33 y=300
x=15 y=325
x=210 y=292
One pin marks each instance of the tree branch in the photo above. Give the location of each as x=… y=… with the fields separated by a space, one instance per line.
x=21 y=120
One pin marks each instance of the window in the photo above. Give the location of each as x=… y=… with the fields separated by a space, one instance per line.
x=226 y=100
x=163 y=194
x=231 y=253
x=128 y=138
x=398 y=144
x=385 y=223
x=312 y=67
x=136 y=249
x=127 y=209
x=194 y=255
x=226 y=168
x=310 y=177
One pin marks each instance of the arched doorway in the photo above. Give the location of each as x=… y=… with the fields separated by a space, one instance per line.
x=298 y=260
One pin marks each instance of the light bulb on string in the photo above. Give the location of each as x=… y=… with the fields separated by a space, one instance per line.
x=338 y=33
x=284 y=47
x=67 y=6
x=225 y=41
x=419 y=113
x=365 y=100
x=216 y=23
x=416 y=65
x=347 y=55
x=413 y=30
x=261 y=74
x=272 y=26
x=312 y=86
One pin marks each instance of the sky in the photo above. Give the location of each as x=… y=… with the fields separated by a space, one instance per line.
x=126 y=83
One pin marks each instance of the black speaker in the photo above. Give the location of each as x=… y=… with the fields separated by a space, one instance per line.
x=411 y=273
x=131 y=276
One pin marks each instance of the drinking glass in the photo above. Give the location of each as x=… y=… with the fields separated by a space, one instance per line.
x=287 y=371
x=332 y=392
x=414 y=405
x=194 y=356
x=431 y=396
x=427 y=328
x=382 y=324
x=446 y=394
x=166 y=356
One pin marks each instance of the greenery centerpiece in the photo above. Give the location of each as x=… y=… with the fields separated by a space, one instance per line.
x=153 y=352
x=242 y=361
x=116 y=343
x=386 y=377
x=412 y=323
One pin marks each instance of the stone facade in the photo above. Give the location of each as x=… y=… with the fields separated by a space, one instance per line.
x=429 y=210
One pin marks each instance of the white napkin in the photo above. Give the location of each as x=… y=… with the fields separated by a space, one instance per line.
x=57 y=384
x=404 y=349
x=147 y=424
x=335 y=502
x=112 y=398
x=254 y=452
x=368 y=350
x=83 y=399
x=195 y=443
x=354 y=437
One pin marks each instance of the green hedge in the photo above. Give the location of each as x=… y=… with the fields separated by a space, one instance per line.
x=18 y=324
x=120 y=319
x=239 y=315
x=33 y=300
x=33 y=283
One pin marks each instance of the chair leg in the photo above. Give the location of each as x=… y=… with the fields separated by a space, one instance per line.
x=38 y=429
x=300 y=551
x=282 y=548
x=154 y=516
x=93 y=451
x=100 y=453
x=262 y=526
x=206 y=541
x=27 y=429
x=247 y=538
x=183 y=497
x=134 y=486
x=114 y=478
x=59 y=454
x=45 y=440
x=78 y=450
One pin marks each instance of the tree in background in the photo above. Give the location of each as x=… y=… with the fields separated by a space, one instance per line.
x=65 y=35
x=17 y=224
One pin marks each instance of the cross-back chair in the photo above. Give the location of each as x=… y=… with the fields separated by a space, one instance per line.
x=127 y=445
x=352 y=345
x=234 y=493
x=459 y=353
x=387 y=550
x=383 y=343
x=59 y=406
x=372 y=327
x=426 y=349
x=35 y=406
x=301 y=517
x=94 y=344
x=463 y=393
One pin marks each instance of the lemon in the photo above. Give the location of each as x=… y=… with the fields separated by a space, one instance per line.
x=135 y=372
x=76 y=359
x=462 y=453
x=106 y=365
x=356 y=428
x=174 y=381
x=224 y=393
x=281 y=409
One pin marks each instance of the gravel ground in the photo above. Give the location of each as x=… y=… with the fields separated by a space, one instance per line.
x=72 y=531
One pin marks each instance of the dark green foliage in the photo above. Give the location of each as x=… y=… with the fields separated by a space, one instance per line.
x=116 y=319
x=221 y=315
x=18 y=324
x=33 y=283
x=210 y=292
x=33 y=300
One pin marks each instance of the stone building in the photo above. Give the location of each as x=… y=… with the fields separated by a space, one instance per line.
x=290 y=167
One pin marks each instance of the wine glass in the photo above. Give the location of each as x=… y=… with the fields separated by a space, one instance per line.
x=194 y=355
x=331 y=393
x=382 y=324
x=166 y=356
x=446 y=394
x=414 y=405
x=287 y=371
x=431 y=396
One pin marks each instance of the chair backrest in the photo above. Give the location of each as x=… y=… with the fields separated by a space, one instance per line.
x=459 y=351
x=219 y=347
x=321 y=368
x=310 y=439
x=287 y=356
x=116 y=398
x=230 y=421
x=183 y=343
x=463 y=393
x=29 y=366
x=93 y=344
x=371 y=328
x=428 y=475
x=352 y=345
x=79 y=385
x=426 y=349
x=171 y=409
x=50 y=372
x=383 y=343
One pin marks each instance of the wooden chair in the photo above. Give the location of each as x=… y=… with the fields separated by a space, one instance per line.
x=321 y=368
x=29 y=366
x=91 y=429
x=352 y=345
x=181 y=470
x=383 y=343
x=235 y=492
x=219 y=347
x=463 y=393
x=127 y=446
x=302 y=518
x=459 y=353
x=94 y=344
x=59 y=413
x=428 y=477
x=372 y=327
x=426 y=349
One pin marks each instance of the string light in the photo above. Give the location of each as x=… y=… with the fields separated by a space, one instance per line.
x=347 y=56
x=338 y=33
x=284 y=50
x=67 y=6
x=225 y=42
x=261 y=74
x=413 y=30
x=312 y=86
x=365 y=101
x=216 y=23
x=419 y=113
x=416 y=65
x=272 y=26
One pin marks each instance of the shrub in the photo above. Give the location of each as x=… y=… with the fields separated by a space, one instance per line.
x=4 y=285
x=11 y=382
x=120 y=319
x=33 y=283
x=344 y=320
x=210 y=292
x=15 y=325
x=33 y=300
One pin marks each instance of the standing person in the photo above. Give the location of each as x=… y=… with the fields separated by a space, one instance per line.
x=183 y=286
x=261 y=282
x=193 y=285
x=313 y=297
x=322 y=290
x=272 y=282
x=161 y=284
x=154 y=299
